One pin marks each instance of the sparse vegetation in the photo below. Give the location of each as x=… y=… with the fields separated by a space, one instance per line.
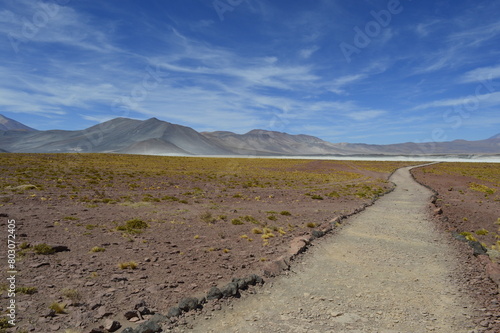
x=236 y=222
x=59 y=308
x=43 y=249
x=72 y=294
x=128 y=265
x=133 y=226
x=97 y=249
x=26 y=290
x=482 y=232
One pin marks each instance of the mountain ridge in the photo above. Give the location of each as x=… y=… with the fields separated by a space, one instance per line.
x=157 y=137
x=8 y=124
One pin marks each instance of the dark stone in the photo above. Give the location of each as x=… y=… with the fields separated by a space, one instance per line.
x=249 y=280
x=140 y=304
x=98 y=330
x=317 y=233
x=148 y=327
x=241 y=283
x=258 y=279
x=144 y=310
x=174 y=312
x=230 y=290
x=478 y=248
x=188 y=304
x=214 y=293
x=131 y=314
x=112 y=325
x=459 y=237
x=158 y=318
x=60 y=248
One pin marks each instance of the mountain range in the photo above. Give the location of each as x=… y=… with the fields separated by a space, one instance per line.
x=156 y=137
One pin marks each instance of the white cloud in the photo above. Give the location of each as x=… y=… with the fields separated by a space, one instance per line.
x=481 y=74
x=485 y=100
x=307 y=53
x=424 y=29
x=366 y=115
x=339 y=83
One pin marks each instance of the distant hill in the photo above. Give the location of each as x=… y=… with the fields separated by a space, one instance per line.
x=261 y=142
x=495 y=137
x=156 y=137
x=7 y=124
x=118 y=135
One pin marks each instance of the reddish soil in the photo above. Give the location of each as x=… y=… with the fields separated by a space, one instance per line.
x=467 y=202
x=190 y=243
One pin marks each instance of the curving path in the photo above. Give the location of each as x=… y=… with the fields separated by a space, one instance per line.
x=388 y=270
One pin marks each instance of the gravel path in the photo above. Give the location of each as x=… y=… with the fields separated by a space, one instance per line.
x=388 y=270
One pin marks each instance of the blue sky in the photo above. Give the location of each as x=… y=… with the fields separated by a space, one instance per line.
x=367 y=71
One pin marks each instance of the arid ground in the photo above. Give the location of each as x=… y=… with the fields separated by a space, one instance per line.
x=469 y=198
x=127 y=229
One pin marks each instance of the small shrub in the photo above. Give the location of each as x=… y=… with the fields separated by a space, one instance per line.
x=196 y=237
x=236 y=222
x=72 y=294
x=43 y=249
x=272 y=218
x=71 y=218
x=250 y=219
x=226 y=250
x=316 y=197
x=133 y=226
x=97 y=249
x=482 y=232
x=4 y=323
x=311 y=225
x=24 y=245
x=207 y=217
x=469 y=236
x=59 y=308
x=267 y=236
x=26 y=290
x=285 y=213
x=256 y=231
x=127 y=265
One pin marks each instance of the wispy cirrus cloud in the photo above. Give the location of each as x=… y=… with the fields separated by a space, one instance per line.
x=485 y=100
x=481 y=74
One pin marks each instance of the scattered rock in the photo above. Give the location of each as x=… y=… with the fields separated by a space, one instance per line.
x=59 y=248
x=214 y=293
x=189 y=303
x=230 y=290
x=174 y=312
x=298 y=245
x=131 y=314
x=276 y=267
x=111 y=325
x=317 y=233
x=148 y=327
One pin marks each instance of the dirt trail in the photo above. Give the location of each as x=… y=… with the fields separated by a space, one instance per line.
x=388 y=270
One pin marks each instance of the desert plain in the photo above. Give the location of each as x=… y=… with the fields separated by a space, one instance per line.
x=101 y=235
